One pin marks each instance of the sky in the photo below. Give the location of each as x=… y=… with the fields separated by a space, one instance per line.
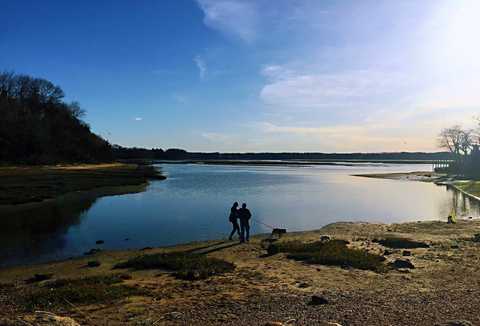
x=255 y=76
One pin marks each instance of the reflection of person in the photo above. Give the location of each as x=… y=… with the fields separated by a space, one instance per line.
x=233 y=219
x=244 y=215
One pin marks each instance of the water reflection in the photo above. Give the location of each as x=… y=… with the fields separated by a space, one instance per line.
x=193 y=204
x=465 y=206
x=39 y=231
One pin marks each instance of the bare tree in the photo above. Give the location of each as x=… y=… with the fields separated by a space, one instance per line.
x=457 y=140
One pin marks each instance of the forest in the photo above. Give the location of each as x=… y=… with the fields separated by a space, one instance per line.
x=38 y=127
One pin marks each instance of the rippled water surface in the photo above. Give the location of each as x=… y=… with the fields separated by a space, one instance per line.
x=193 y=204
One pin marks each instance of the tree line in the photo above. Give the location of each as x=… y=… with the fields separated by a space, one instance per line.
x=180 y=154
x=38 y=127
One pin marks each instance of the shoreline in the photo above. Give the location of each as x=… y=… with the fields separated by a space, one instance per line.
x=280 y=288
x=440 y=179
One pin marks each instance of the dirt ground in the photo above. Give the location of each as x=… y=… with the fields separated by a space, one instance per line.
x=443 y=286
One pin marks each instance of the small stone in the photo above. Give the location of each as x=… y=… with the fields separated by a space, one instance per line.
x=93 y=263
x=400 y=263
x=455 y=246
x=406 y=253
x=99 y=242
x=92 y=252
x=125 y=276
x=274 y=323
x=476 y=237
x=303 y=285
x=387 y=252
x=317 y=300
x=456 y=323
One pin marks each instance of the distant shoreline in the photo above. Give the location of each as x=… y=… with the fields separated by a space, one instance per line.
x=294 y=162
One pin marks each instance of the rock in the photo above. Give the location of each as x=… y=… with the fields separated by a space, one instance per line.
x=456 y=323
x=406 y=253
x=455 y=246
x=476 y=237
x=387 y=252
x=99 y=242
x=92 y=252
x=43 y=318
x=93 y=263
x=274 y=323
x=325 y=238
x=317 y=300
x=303 y=285
x=38 y=278
x=125 y=276
x=146 y=248
x=400 y=263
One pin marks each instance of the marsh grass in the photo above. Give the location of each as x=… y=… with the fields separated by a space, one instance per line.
x=67 y=292
x=184 y=265
x=402 y=243
x=331 y=253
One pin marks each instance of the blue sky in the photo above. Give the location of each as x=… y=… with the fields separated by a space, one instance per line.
x=240 y=75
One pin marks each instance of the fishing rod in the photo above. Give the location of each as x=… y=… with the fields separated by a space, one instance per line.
x=267 y=225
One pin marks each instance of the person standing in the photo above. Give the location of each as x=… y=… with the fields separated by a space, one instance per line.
x=244 y=215
x=233 y=218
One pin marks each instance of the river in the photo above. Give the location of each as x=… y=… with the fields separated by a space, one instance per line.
x=193 y=204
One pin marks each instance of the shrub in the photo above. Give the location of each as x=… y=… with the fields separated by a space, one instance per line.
x=98 y=289
x=332 y=253
x=186 y=266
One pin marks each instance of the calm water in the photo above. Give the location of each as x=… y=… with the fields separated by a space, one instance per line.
x=193 y=204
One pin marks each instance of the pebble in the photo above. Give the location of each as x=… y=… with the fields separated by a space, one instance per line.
x=400 y=263
x=317 y=300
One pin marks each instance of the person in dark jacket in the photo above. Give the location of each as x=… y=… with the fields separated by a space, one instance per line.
x=233 y=218
x=244 y=215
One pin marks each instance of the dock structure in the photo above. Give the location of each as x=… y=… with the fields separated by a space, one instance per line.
x=441 y=164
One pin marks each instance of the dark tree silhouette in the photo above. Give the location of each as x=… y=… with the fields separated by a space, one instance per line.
x=38 y=127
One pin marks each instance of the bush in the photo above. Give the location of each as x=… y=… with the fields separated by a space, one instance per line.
x=186 y=266
x=332 y=253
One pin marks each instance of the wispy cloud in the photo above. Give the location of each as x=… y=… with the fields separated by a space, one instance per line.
x=287 y=88
x=138 y=118
x=238 y=18
x=201 y=65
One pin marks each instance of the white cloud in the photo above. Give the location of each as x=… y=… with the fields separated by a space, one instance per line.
x=202 y=66
x=288 y=89
x=217 y=138
x=238 y=18
x=138 y=118
x=180 y=98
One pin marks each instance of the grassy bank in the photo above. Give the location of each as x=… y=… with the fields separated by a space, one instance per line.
x=347 y=273
x=20 y=185
x=470 y=187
